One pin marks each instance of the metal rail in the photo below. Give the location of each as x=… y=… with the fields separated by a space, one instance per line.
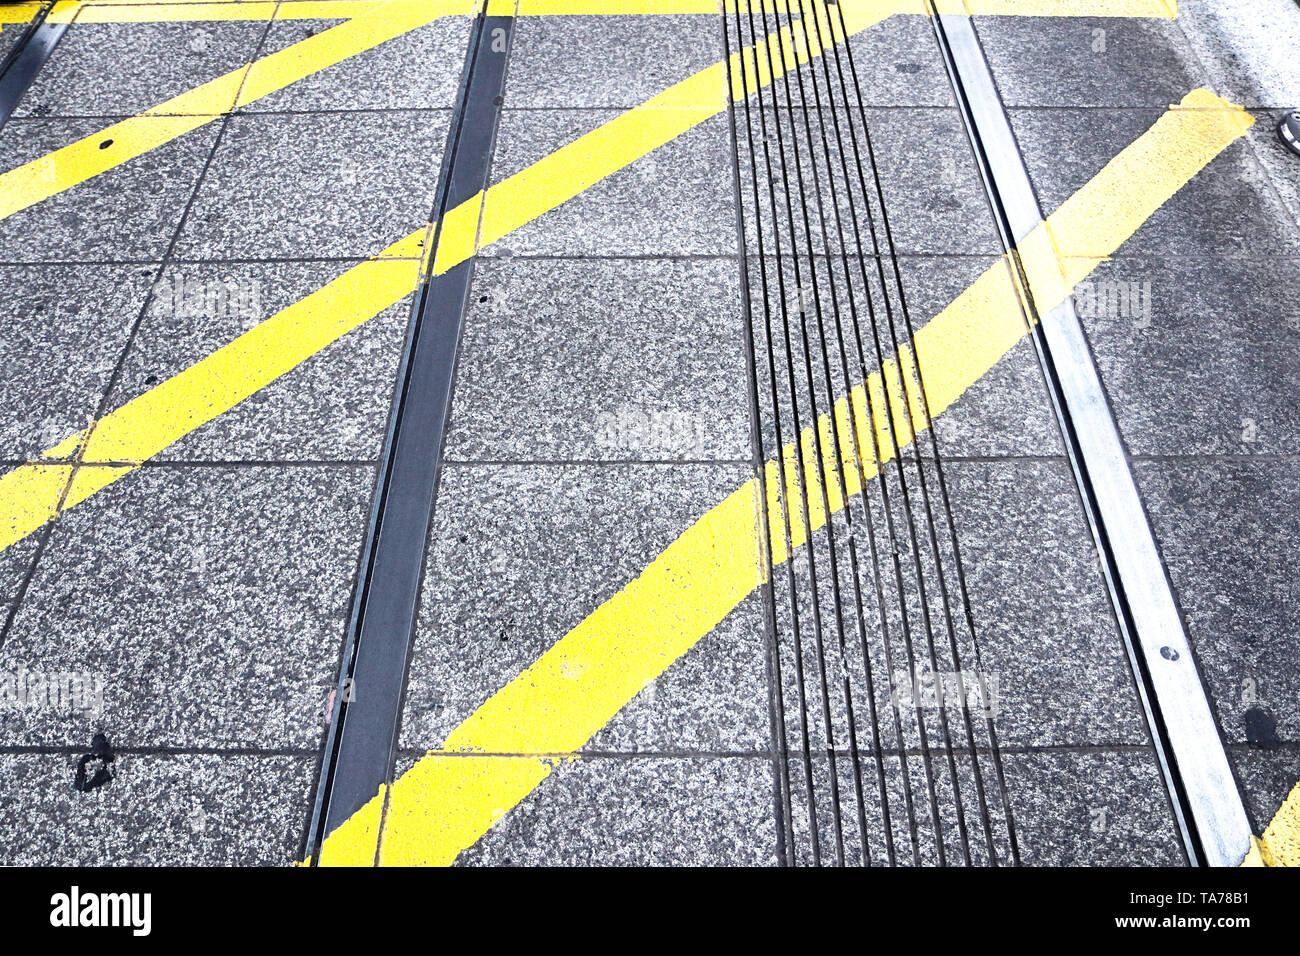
x=1204 y=794
x=364 y=725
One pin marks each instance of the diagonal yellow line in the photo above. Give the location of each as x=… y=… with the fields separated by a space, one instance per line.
x=111 y=448
x=452 y=796
x=376 y=22
x=34 y=494
x=77 y=162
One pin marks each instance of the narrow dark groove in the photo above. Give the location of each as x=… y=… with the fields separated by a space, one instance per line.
x=787 y=526
x=365 y=724
x=927 y=426
x=781 y=770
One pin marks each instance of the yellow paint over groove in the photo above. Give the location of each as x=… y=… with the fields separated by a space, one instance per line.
x=454 y=794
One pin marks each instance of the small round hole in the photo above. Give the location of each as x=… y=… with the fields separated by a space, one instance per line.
x=105 y=144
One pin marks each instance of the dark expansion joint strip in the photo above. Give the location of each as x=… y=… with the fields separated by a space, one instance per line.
x=364 y=723
x=19 y=69
x=1203 y=792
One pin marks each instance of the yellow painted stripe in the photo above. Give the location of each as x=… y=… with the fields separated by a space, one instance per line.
x=453 y=795
x=64 y=168
x=19 y=13
x=1280 y=844
x=573 y=168
x=144 y=426
x=148 y=424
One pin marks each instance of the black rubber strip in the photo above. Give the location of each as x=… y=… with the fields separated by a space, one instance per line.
x=25 y=61
x=363 y=727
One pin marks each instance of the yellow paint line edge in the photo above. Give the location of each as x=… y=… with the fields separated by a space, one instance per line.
x=1280 y=844
x=454 y=794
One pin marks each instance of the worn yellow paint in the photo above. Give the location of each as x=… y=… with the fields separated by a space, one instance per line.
x=1280 y=844
x=446 y=802
x=64 y=168
x=31 y=495
x=19 y=12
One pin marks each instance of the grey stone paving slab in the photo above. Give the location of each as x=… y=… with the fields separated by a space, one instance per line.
x=334 y=406
x=121 y=69
x=1228 y=208
x=933 y=194
x=1010 y=667
x=895 y=63
x=613 y=61
x=15 y=561
x=159 y=810
x=519 y=555
x=1248 y=48
x=1228 y=532
x=639 y=812
x=209 y=604
x=62 y=331
x=912 y=825
x=1042 y=618
x=1092 y=809
x=1281 y=165
x=1006 y=412
x=1089 y=61
x=418 y=70
x=128 y=213
x=10 y=34
x=1196 y=361
x=1267 y=777
x=816 y=168
x=316 y=185
x=678 y=200
x=609 y=359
